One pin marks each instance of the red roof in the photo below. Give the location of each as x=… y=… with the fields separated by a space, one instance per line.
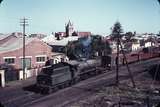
x=83 y=34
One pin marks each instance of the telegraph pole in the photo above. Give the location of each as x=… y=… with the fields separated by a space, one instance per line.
x=128 y=69
x=24 y=23
x=117 y=62
x=116 y=32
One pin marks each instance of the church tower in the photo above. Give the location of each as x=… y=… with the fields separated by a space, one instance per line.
x=69 y=29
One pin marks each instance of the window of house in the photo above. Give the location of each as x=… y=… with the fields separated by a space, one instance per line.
x=40 y=59
x=9 y=60
x=27 y=62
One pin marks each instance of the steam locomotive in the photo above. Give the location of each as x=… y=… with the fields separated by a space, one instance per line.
x=63 y=74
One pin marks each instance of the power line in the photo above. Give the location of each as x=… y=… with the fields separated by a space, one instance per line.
x=24 y=23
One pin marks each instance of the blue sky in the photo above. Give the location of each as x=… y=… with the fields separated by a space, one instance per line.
x=97 y=16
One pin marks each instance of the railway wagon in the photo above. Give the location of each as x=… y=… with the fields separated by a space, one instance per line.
x=145 y=54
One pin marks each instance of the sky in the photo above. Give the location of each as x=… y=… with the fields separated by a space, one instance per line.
x=96 y=16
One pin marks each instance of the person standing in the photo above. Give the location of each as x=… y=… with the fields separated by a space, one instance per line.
x=48 y=62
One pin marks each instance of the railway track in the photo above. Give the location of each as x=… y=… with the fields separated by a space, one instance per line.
x=87 y=87
x=21 y=98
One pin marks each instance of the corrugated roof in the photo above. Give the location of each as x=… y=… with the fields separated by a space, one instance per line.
x=2 y=36
x=14 y=44
x=63 y=42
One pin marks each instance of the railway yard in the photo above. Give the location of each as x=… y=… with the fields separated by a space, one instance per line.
x=97 y=91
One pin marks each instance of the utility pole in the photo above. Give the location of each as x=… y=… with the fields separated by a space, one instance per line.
x=128 y=69
x=116 y=33
x=125 y=59
x=24 y=23
x=117 y=62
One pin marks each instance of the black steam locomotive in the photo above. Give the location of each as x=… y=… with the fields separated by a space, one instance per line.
x=63 y=74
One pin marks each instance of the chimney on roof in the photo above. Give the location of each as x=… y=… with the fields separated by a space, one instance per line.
x=57 y=35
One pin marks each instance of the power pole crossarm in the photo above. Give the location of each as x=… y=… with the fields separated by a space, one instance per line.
x=23 y=23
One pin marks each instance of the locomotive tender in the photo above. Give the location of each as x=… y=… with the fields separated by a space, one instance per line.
x=64 y=74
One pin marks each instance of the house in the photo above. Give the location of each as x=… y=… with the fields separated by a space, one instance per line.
x=36 y=53
x=11 y=52
x=136 y=46
x=59 y=40
x=59 y=45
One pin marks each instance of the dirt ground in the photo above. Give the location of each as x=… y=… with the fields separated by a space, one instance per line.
x=146 y=94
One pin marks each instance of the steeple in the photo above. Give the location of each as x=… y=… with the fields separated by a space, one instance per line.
x=69 y=23
x=69 y=28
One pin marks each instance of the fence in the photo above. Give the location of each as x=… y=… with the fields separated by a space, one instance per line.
x=30 y=72
x=2 y=78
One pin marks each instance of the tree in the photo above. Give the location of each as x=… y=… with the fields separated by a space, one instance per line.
x=1 y=1
x=73 y=50
x=96 y=44
x=128 y=40
x=100 y=45
x=86 y=47
x=116 y=36
x=117 y=31
x=128 y=36
x=106 y=47
x=159 y=1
